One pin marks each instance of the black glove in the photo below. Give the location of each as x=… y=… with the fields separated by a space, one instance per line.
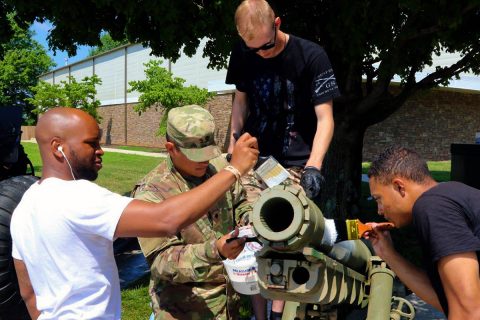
x=312 y=181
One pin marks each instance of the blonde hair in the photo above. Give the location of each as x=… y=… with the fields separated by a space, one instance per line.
x=252 y=14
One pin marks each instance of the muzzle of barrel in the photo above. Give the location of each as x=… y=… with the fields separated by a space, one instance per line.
x=286 y=220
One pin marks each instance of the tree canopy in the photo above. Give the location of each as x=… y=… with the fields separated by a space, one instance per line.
x=162 y=89
x=24 y=60
x=107 y=44
x=165 y=26
x=368 y=43
x=71 y=93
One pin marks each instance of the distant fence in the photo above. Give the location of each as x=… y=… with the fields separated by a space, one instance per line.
x=28 y=132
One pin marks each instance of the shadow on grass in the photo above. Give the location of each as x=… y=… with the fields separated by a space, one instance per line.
x=143 y=281
x=441 y=176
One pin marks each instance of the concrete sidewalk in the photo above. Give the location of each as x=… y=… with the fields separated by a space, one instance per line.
x=424 y=311
x=141 y=153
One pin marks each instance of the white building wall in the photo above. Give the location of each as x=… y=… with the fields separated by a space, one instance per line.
x=81 y=70
x=47 y=77
x=61 y=75
x=194 y=69
x=111 y=69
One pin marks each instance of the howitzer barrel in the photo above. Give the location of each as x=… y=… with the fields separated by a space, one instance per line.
x=287 y=221
x=296 y=264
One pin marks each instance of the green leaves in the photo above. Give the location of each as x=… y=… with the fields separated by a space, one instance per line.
x=80 y=95
x=107 y=44
x=24 y=60
x=161 y=89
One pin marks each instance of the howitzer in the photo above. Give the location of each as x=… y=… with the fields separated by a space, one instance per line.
x=298 y=265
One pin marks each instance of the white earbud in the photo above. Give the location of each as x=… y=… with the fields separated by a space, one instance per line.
x=60 y=148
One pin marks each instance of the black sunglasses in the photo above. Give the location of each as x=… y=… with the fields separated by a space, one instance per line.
x=266 y=46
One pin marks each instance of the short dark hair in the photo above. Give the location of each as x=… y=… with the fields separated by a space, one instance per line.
x=399 y=161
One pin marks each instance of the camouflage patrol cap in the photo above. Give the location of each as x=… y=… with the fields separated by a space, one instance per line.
x=192 y=129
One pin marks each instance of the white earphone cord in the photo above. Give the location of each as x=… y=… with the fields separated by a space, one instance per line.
x=68 y=162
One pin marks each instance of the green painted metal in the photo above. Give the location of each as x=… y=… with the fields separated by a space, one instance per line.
x=296 y=265
x=286 y=219
x=381 y=287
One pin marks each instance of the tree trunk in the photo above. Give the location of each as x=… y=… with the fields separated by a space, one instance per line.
x=342 y=169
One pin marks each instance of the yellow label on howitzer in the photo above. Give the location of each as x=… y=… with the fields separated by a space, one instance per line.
x=352 y=229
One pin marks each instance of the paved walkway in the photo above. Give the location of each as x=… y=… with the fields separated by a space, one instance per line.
x=141 y=153
x=424 y=311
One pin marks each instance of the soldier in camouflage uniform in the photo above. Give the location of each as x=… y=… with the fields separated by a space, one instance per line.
x=188 y=280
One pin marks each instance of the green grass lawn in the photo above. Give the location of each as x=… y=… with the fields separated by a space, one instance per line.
x=120 y=171
x=136 y=303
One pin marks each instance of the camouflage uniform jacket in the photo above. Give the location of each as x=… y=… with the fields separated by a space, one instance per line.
x=188 y=280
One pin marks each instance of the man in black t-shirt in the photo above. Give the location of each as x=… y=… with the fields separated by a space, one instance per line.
x=446 y=217
x=283 y=97
x=284 y=91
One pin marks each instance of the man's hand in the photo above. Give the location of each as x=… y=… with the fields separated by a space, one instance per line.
x=245 y=153
x=232 y=249
x=381 y=241
x=312 y=181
